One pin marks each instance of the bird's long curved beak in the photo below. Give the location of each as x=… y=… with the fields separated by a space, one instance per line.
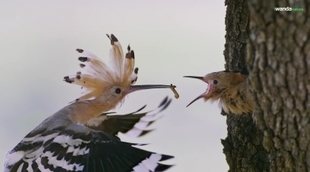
x=195 y=77
x=156 y=86
x=202 y=95
x=197 y=98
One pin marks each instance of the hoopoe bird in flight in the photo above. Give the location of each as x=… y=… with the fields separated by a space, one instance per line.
x=83 y=135
x=230 y=88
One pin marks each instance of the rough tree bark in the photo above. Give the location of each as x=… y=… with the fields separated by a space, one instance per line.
x=243 y=146
x=274 y=49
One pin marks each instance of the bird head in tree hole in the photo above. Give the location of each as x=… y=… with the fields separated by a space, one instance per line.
x=230 y=88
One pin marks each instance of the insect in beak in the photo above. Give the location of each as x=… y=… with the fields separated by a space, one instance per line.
x=144 y=87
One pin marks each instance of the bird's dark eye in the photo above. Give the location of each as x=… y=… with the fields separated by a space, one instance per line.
x=215 y=81
x=118 y=90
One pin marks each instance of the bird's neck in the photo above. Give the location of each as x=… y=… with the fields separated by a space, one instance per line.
x=82 y=111
x=237 y=99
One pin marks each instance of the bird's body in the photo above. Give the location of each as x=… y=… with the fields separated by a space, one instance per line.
x=82 y=135
x=59 y=144
x=230 y=88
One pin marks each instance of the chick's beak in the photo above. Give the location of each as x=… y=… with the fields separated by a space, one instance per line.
x=195 y=77
x=197 y=98
x=144 y=87
x=204 y=95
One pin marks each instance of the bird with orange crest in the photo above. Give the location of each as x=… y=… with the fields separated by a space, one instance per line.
x=82 y=136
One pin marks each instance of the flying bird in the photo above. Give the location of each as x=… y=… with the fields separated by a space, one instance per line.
x=83 y=135
x=230 y=88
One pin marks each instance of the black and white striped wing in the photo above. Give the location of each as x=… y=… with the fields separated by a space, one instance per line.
x=63 y=150
x=134 y=124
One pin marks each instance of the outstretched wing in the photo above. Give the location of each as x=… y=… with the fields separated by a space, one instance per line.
x=123 y=157
x=67 y=150
x=133 y=124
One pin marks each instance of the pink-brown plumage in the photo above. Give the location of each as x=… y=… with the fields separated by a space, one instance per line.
x=230 y=88
x=105 y=84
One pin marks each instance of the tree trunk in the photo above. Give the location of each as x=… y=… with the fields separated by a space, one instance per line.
x=243 y=146
x=275 y=48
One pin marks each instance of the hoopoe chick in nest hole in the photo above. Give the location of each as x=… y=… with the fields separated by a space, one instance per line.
x=230 y=88
x=83 y=135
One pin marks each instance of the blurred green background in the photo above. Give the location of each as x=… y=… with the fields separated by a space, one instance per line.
x=170 y=38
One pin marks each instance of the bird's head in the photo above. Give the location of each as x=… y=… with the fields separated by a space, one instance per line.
x=218 y=84
x=108 y=84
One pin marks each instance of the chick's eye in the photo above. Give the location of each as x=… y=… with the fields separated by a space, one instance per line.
x=215 y=81
x=118 y=90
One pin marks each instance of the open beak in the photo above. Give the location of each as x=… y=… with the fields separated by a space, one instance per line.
x=144 y=87
x=202 y=95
